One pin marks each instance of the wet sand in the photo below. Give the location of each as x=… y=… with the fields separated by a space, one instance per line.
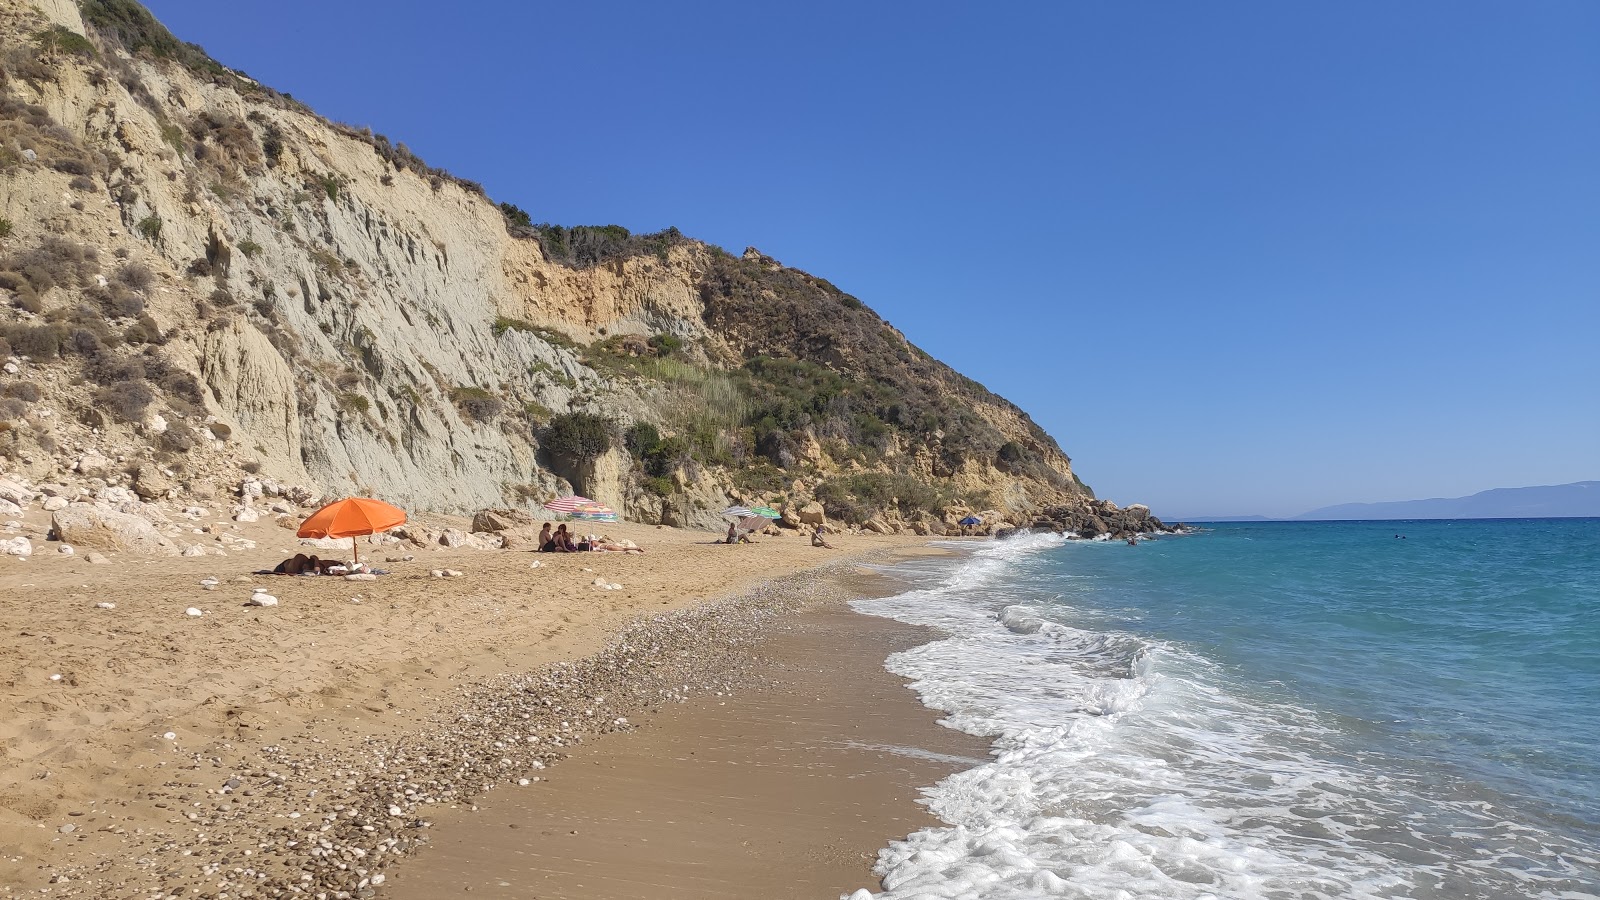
x=786 y=788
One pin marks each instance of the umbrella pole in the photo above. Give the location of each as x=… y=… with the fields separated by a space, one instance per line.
x=353 y=551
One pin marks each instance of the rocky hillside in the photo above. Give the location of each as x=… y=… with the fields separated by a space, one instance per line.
x=200 y=278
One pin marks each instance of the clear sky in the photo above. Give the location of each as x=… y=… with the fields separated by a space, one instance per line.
x=1237 y=257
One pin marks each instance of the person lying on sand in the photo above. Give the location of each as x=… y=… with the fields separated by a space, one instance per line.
x=295 y=565
x=604 y=544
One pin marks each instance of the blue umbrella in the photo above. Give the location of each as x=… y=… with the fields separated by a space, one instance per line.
x=970 y=520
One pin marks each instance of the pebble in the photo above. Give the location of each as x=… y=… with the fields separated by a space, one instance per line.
x=66 y=550
x=191 y=611
x=104 y=604
x=361 y=576
x=171 y=735
x=67 y=828
x=261 y=599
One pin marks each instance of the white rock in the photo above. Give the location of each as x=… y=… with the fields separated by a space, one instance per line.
x=361 y=576
x=437 y=573
x=105 y=605
x=17 y=546
x=29 y=155
x=395 y=811
x=262 y=600
x=55 y=504
x=194 y=550
x=191 y=611
x=171 y=735
x=614 y=586
x=98 y=559
x=194 y=512
x=210 y=582
x=601 y=582
x=7 y=508
x=522 y=781
x=91 y=463
x=377 y=880
x=55 y=677
x=65 y=550
x=115 y=495
x=11 y=368
x=246 y=515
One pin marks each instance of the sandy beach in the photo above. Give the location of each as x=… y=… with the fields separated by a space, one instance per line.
x=254 y=752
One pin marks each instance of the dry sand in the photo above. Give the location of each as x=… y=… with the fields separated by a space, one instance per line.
x=277 y=713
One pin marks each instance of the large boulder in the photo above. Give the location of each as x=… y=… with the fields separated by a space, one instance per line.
x=501 y=519
x=150 y=483
x=15 y=491
x=812 y=514
x=84 y=525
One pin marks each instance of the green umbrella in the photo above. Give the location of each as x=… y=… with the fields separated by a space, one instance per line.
x=766 y=512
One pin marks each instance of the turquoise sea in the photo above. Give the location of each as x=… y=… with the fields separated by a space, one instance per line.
x=1274 y=710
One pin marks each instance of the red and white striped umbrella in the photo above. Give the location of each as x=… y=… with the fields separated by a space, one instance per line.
x=568 y=504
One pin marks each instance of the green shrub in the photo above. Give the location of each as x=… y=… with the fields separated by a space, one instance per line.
x=641 y=439
x=668 y=455
x=61 y=39
x=666 y=344
x=329 y=185
x=249 y=249
x=352 y=402
x=150 y=227
x=661 y=487
x=6 y=228
x=515 y=215
x=578 y=436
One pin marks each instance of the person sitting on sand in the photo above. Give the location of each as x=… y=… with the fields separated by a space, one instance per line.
x=818 y=541
x=563 y=540
x=547 y=543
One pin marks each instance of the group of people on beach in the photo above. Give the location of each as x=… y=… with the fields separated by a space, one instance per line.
x=561 y=541
x=737 y=535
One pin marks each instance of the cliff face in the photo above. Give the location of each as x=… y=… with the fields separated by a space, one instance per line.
x=192 y=259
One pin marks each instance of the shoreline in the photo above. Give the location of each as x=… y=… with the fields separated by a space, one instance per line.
x=787 y=784
x=214 y=756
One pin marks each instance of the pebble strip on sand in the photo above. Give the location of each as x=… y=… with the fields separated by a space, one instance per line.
x=325 y=820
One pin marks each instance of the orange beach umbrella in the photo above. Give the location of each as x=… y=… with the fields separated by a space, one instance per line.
x=351 y=517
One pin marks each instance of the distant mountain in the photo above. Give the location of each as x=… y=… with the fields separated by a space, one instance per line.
x=1581 y=498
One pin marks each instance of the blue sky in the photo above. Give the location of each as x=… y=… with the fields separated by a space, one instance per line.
x=1237 y=257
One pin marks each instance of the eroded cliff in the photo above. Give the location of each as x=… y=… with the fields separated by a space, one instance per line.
x=204 y=278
